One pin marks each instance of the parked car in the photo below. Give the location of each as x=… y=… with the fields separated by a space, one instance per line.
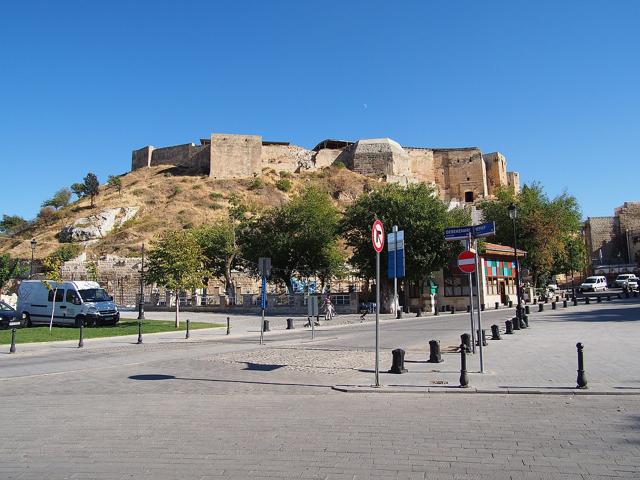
x=626 y=280
x=8 y=318
x=73 y=303
x=594 y=284
x=553 y=287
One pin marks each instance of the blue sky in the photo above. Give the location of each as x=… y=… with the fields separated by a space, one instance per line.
x=555 y=86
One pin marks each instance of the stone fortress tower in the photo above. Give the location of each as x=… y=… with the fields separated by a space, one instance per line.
x=461 y=175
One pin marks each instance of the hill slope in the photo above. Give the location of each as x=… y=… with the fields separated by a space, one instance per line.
x=168 y=198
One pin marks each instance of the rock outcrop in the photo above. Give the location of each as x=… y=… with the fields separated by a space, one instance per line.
x=96 y=226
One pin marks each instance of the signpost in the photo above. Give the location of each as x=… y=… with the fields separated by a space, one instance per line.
x=377 y=239
x=264 y=265
x=469 y=262
x=312 y=311
x=395 y=261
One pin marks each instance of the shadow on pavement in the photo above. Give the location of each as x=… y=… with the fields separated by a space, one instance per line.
x=155 y=376
x=609 y=315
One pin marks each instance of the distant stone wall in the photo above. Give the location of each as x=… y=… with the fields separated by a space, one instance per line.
x=602 y=235
x=235 y=156
x=141 y=158
x=421 y=164
x=462 y=170
x=514 y=181
x=496 y=171
x=380 y=156
x=288 y=158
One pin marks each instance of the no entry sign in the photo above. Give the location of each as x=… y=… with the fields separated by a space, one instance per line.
x=377 y=236
x=467 y=261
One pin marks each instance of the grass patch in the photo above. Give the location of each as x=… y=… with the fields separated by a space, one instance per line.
x=125 y=327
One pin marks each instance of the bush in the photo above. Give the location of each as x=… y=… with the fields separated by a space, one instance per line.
x=175 y=190
x=285 y=174
x=48 y=215
x=196 y=186
x=138 y=192
x=283 y=185
x=215 y=206
x=256 y=184
x=67 y=252
x=339 y=165
x=215 y=196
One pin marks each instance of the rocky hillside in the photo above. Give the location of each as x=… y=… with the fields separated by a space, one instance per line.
x=160 y=198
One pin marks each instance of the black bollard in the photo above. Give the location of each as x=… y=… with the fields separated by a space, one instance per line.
x=582 y=378
x=453 y=309
x=464 y=378
x=535 y=300
x=525 y=321
x=575 y=302
x=81 y=341
x=139 y=333
x=626 y=294
x=608 y=297
x=397 y=366
x=419 y=312
x=497 y=305
x=468 y=308
x=599 y=299
x=187 y=334
x=495 y=332
x=444 y=308
x=12 y=348
x=557 y=298
x=482 y=307
x=553 y=305
x=635 y=294
x=434 y=352
x=510 y=304
x=564 y=303
x=436 y=312
x=540 y=307
x=587 y=300
x=509 y=327
x=480 y=335
x=465 y=338
x=265 y=326
x=527 y=310
x=290 y=324
x=228 y=326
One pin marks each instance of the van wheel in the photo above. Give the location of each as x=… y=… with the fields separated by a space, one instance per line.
x=26 y=320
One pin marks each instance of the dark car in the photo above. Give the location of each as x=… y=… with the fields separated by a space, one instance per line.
x=8 y=316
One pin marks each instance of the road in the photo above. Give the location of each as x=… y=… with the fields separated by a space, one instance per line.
x=217 y=407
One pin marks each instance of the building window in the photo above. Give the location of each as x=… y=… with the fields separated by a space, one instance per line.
x=468 y=197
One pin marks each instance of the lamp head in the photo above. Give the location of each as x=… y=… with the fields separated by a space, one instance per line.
x=33 y=244
x=513 y=211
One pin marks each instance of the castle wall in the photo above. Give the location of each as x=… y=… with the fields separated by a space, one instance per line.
x=141 y=158
x=235 y=156
x=380 y=156
x=288 y=158
x=496 y=171
x=514 y=181
x=460 y=170
x=421 y=164
x=187 y=155
x=327 y=156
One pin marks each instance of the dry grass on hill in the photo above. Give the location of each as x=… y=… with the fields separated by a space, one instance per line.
x=168 y=199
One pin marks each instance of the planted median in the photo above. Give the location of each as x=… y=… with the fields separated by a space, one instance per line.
x=126 y=327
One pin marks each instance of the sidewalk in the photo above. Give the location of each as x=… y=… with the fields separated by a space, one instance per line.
x=540 y=359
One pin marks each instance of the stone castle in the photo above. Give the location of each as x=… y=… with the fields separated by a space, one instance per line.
x=460 y=174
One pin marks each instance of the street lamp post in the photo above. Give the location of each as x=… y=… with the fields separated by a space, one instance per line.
x=33 y=251
x=141 y=302
x=513 y=213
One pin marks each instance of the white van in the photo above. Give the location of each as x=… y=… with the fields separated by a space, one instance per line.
x=76 y=303
x=593 y=284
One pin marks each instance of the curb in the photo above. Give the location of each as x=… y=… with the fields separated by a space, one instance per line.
x=472 y=390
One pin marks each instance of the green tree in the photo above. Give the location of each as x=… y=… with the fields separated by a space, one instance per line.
x=115 y=182
x=545 y=228
x=9 y=268
x=299 y=236
x=11 y=222
x=218 y=244
x=78 y=189
x=415 y=209
x=91 y=187
x=60 y=199
x=177 y=263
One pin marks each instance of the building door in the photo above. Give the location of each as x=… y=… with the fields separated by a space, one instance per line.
x=503 y=292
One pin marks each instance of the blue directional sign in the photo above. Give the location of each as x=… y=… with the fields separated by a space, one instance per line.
x=484 y=229
x=458 y=233
x=395 y=260
x=263 y=294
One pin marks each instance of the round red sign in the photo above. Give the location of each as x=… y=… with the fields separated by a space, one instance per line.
x=467 y=261
x=377 y=236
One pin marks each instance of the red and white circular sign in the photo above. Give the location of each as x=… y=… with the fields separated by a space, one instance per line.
x=467 y=261
x=377 y=236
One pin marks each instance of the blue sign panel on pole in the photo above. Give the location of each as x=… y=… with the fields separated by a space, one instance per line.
x=484 y=229
x=395 y=259
x=263 y=294
x=457 y=233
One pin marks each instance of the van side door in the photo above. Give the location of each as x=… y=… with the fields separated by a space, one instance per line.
x=60 y=306
x=72 y=301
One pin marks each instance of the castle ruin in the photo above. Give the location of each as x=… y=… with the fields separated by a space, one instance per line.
x=460 y=174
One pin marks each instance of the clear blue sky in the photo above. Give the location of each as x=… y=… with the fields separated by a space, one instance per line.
x=554 y=85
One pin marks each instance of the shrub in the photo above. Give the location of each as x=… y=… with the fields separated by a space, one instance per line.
x=67 y=252
x=196 y=186
x=285 y=174
x=215 y=206
x=138 y=192
x=283 y=184
x=48 y=215
x=256 y=184
x=340 y=165
x=175 y=190
x=215 y=196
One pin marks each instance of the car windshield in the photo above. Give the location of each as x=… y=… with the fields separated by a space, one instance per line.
x=590 y=280
x=5 y=307
x=623 y=277
x=94 y=295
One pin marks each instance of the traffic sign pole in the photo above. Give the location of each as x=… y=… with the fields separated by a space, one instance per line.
x=473 y=335
x=395 y=270
x=377 y=239
x=478 y=282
